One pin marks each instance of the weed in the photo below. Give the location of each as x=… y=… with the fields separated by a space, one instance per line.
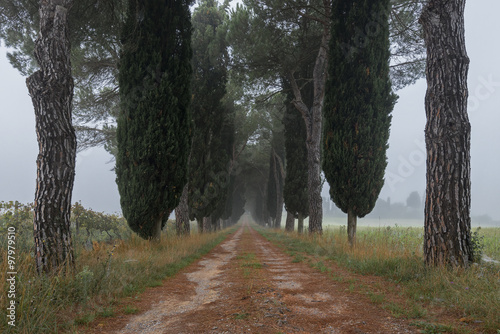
x=298 y=258
x=428 y=328
x=376 y=298
x=154 y=283
x=129 y=309
x=241 y=316
x=84 y=319
x=477 y=244
x=107 y=312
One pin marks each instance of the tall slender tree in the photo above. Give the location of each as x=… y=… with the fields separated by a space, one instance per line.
x=51 y=90
x=447 y=237
x=208 y=167
x=154 y=123
x=357 y=108
x=295 y=189
x=276 y=178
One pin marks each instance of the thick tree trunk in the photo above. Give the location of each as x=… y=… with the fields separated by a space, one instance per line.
x=290 y=222
x=352 y=221
x=182 y=225
x=447 y=238
x=51 y=91
x=300 y=223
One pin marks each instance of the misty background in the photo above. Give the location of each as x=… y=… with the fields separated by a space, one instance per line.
x=95 y=183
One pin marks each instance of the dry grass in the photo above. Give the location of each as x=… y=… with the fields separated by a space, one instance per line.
x=102 y=276
x=472 y=294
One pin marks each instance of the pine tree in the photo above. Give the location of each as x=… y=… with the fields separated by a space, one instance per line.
x=154 y=123
x=358 y=104
x=447 y=237
x=51 y=90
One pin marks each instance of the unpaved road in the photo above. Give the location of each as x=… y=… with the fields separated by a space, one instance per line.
x=247 y=285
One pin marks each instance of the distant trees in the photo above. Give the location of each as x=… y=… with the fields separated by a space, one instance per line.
x=51 y=90
x=273 y=31
x=447 y=237
x=413 y=201
x=154 y=123
x=358 y=104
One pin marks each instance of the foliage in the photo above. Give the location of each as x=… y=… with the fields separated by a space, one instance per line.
x=97 y=225
x=295 y=189
x=154 y=123
x=358 y=103
x=477 y=244
x=213 y=120
x=95 y=26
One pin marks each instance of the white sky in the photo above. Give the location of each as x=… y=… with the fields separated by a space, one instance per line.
x=95 y=183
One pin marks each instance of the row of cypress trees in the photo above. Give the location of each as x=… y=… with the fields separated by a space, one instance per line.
x=171 y=117
x=157 y=125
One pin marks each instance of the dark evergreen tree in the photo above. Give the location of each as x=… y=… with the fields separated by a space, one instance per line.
x=358 y=104
x=295 y=189
x=276 y=178
x=154 y=123
x=208 y=171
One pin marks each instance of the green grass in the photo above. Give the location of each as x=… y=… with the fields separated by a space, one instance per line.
x=129 y=309
x=241 y=316
x=103 y=276
x=396 y=254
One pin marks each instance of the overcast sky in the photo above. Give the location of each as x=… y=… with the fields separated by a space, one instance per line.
x=95 y=183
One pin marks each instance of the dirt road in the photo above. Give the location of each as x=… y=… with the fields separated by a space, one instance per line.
x=247 y=285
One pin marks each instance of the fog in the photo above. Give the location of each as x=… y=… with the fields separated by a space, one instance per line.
x=95 y=182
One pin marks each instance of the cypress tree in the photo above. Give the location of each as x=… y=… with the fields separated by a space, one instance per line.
x=208 y=166
x=153 y=130
x=295 y=189
x=276 y=178
x=358 y=104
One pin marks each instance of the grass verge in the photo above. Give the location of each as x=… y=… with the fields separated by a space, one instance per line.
x=470 y=296
x=103 y=277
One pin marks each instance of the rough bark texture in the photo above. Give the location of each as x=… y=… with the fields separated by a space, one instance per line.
x=352 y=221
x=290 y=222
x=447 y=238
x=182 y=225
x=313 y=118
x=51 y=91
